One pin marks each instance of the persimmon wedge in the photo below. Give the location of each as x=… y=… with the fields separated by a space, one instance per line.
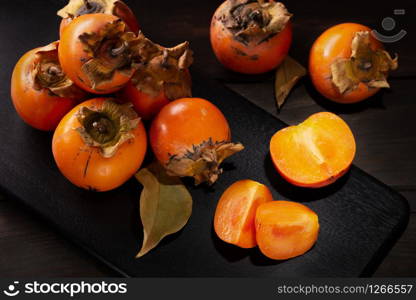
x=285 y=229
x=236 y=209
x=314 y=153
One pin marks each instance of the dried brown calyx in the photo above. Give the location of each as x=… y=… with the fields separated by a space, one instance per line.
x=254 y=21
x=111 y=49
x=108 y=127
x=164 y=69
x=76 y=8
x=48 y=74
x=203 y=161
x=365 y=65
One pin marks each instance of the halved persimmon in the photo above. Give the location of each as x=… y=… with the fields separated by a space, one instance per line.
x=314 y=153
x=285 y=229
x=235 y=212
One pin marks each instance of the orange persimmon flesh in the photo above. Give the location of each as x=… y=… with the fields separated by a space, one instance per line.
x=285 y=229
x=314 y=153
x=236 y=209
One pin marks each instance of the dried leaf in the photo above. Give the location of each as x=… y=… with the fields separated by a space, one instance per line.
x=287 y=75
x=365 y=66
x=165 y=205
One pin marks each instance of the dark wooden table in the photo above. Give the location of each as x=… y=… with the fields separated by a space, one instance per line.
x=384 y=126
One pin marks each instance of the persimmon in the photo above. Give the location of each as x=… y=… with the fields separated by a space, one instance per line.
x=285 y=229
x=236 y=210
x=99 y=144
x=251 y=37
x=165 y=77
x=96 y=53
x=347 y=64
x=191 y=137
x=314 y=153
x=41 y=92
x=118 y=8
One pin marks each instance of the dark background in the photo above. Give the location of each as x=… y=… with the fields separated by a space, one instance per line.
x=383 y=125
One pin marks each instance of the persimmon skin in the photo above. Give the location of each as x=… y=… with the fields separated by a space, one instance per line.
x=315 y=153
x=236 y=210
x=38 y=108
x=186 y=122
x=121 y=10
x=72 y=55
x=84 y=166
x=332 y=44
x=251 y=58
x=285 y=229
x=146 y=106
x=63 y=25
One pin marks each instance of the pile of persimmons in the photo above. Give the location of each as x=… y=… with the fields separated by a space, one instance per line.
x=100 y=142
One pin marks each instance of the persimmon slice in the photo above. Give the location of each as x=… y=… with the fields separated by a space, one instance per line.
x=285 y=229
x=314 y=153
x=236 y=209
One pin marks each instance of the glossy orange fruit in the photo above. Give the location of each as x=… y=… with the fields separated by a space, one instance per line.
x=191 y=137
x=332 y=45
x=33 y=93
x=285 y=229
x=73 y=55
x=251 y=56
x=83 y=161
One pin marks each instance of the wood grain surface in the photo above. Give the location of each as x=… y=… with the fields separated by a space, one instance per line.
x=383 y=125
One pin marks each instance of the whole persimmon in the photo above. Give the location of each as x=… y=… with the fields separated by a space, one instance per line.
x=165 y=77
x=118 y=8
x=236 y=210
x=99 y=144
x=98 y=53
x=347 y=64
x=41 y=92
x=251 y=37
x=285 y=229
x=191 y=137
x=315 y=153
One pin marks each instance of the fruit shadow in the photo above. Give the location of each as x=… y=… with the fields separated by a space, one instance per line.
x=300 y=194
x=234 y=253
x=376 y=101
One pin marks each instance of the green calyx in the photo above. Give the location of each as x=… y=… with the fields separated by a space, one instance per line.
x=107 y=128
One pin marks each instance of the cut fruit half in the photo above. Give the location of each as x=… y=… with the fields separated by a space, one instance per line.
x=236 y=209
x=314 y=153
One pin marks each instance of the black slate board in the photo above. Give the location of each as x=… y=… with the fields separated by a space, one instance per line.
x=360 y=217
x=358 y=214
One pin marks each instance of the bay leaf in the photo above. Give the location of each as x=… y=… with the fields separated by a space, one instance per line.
x=287 y=75
x=165 y=205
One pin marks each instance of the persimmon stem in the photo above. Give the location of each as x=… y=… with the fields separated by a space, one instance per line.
x=100 y=126
x=87 y=4
x=119 y=50
x=54 y=70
